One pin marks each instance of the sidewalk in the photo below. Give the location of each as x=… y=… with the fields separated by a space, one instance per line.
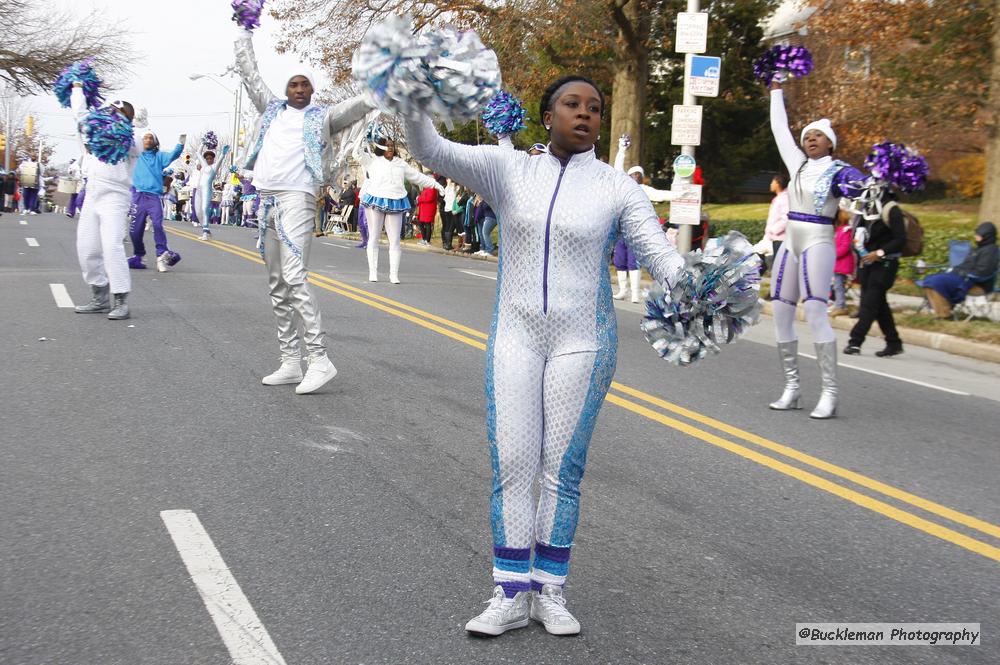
x=911 y=336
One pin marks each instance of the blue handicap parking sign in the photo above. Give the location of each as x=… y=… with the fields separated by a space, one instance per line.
x=706 y=66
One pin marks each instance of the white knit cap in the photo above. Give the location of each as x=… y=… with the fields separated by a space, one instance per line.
x=822 y=125
x=300 y=70
x=636 y=169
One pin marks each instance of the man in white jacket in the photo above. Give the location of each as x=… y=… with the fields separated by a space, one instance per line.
x=286 y=153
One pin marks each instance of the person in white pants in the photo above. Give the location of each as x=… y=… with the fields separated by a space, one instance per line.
x=626 y=265
x=288 y=152
x=385 y=201
x=100 y=233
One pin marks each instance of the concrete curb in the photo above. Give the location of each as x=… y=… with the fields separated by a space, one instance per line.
x=931 y=340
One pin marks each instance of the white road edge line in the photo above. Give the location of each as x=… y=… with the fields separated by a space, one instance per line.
x=31 y=242
x=61 y=295
x=476 y=274
x=333 y=244
x=893 y=376
x=23 y=222
x=243 y=633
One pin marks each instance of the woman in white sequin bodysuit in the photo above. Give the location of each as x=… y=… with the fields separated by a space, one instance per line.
x=552 y=343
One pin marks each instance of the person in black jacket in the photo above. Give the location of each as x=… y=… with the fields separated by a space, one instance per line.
x=978 y=269
x=883 y=244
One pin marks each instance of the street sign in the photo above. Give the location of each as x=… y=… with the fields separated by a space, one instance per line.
x=692 y=32
x=685 y=127
x=686 y=206
x=684 y=166
x=704 y=78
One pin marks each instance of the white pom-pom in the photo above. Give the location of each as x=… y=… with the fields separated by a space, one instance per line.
x=441 y=72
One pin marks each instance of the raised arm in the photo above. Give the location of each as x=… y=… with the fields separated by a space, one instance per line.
x=641 y=228
x=421 y=179
x=791 y=154
x=480 y=168
x=620 y=155
x=505 y=142
x=348 y=112
x=658 y=195
x=246 y=62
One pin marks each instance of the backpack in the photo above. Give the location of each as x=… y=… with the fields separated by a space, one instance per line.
x=914 y=232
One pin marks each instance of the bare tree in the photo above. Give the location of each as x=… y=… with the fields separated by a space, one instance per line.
x=989 y=208
x=40 y=43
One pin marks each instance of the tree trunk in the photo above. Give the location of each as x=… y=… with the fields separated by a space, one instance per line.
x=628 y=92
x=989 y=208
x=628 y=105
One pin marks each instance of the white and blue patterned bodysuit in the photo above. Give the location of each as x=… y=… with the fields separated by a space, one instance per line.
x=553 y=339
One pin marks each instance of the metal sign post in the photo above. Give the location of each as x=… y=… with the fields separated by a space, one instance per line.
x=692 y=37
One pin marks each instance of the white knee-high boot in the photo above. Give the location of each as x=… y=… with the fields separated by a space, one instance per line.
x=372 y=250
x=394 y=256
x=633 y=278
x=622 y=285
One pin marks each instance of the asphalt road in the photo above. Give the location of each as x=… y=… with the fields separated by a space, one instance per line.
x=353 y=523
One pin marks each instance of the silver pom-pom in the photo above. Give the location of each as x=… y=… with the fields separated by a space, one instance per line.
x=441 y=72
x=713 y=302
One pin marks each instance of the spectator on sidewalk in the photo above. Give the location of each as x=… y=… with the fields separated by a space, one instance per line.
x=486 y=221
x=843 y=269
x=979 y=268
x=777 y=213
x=447 y=215
x=426 y=207
x=879 y=244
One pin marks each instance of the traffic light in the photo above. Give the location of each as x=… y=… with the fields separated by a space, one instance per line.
x=242 y=137
x=3 y=141
x=29 y=126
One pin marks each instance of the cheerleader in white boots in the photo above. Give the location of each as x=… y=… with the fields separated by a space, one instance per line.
x=385 y=201
x=626 y=265
x=803 y=265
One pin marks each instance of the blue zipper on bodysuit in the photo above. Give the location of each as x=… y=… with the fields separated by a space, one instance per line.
x=548 y=234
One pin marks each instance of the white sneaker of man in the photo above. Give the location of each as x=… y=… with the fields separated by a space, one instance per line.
x=503 y=613
x=548 y=607
x=161 y=262
x=320 y=371
x=289 y=372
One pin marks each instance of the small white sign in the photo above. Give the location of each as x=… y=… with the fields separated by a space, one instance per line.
x=692 y=32
x=685 y=128
x=704 y=78
x=686 y=206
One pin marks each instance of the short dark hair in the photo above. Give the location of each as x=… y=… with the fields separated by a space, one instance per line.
x=782 y=179
x=208 y=152
x=549 y=96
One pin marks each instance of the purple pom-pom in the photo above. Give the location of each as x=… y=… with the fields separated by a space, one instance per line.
x=246 y=13
x=210 y=140
x=779 y=62
x=79 y=72
x=107 y=135
x=898 y=165
x=504 y=114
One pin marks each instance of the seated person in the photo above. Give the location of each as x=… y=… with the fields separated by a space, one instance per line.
x=945 y=289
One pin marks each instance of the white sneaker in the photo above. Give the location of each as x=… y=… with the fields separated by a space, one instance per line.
x=503 y=613
x=319 y=373
x=289 y=372
x=161 y=262
x=205 y=235
x=549 y=608
x=194 y=224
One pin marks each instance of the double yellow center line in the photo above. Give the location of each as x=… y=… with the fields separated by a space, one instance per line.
x=643 y=404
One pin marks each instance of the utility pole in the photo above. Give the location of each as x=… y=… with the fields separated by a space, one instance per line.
x=692 y=29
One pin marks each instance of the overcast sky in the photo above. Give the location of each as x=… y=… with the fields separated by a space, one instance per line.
x=172 y=39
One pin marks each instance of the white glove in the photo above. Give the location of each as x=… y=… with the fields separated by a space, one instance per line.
x=624 y=141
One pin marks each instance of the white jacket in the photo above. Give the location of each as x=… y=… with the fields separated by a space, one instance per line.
x=387 y=179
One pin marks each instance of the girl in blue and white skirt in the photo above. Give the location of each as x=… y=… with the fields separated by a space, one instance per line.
x=385 y=201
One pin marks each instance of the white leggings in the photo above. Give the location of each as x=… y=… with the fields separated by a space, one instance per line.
x=100 y=239
x=806 y=276
x=393 y=222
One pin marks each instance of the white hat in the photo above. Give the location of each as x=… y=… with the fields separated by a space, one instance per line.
x=637 y=169
x=822 y=125
x=300 y=70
